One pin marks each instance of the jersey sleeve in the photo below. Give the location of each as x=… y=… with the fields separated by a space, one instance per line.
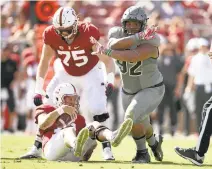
x=115 y=32
x=46 y=36
x=94 y=31
x=41 y=110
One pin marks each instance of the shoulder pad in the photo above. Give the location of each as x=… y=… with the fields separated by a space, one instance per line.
x=116 y=32
x=47 y=34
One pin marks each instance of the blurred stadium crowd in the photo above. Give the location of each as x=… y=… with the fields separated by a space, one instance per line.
x=185 y=31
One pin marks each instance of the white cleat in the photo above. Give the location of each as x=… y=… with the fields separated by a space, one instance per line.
x=82 y=137
x=122 y=132
x=107 y=154
x=34 y=152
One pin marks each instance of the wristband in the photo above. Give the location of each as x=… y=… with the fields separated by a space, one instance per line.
x=108 y=52
x=60 y=111
x=39 y=85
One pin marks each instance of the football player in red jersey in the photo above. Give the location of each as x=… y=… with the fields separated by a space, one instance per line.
x=59 y=134
x=70 y=40
x=63 y=130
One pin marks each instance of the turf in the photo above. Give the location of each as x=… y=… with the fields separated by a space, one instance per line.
x=14 y=146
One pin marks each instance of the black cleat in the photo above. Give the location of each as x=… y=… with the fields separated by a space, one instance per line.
x=157 y=149
x=190 y=154
x=142 y=156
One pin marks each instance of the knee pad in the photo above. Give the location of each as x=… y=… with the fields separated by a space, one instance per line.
x=95 y=128
x=101 y=118
x=98 y=130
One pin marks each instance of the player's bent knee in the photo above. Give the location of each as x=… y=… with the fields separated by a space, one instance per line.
x=95 y=128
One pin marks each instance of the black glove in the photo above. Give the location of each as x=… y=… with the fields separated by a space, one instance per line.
x=101 y=118
x=109 y=89
x=38 y=100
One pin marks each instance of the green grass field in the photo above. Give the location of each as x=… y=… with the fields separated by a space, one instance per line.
x=14 y=146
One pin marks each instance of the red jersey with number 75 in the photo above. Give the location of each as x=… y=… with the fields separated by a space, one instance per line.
x=75 y=57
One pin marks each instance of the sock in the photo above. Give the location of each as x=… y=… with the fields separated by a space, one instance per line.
x=38 y=144
x=38 y=140
x=200 y=155
x=2 y=123
x=140 y=142
x=106 y=144
x=38 y=136
x=151 y=140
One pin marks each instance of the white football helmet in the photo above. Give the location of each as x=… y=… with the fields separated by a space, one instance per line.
x=65 y=19
x=63 y=90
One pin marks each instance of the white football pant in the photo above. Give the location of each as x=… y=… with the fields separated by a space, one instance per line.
x=56 y=150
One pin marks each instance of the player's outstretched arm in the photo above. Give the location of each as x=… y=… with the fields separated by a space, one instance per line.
x=46 y=55
x=141 y=53
x=127 y=42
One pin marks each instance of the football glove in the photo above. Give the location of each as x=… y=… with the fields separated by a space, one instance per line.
x=109 y=85
x=38 y=99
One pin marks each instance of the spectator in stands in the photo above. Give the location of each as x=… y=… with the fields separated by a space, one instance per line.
x=5 y=29
x=187 y=101
x=8 y=70
x=197 y=154
x=200 y=79
x=114 y=99
x=170 y=66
